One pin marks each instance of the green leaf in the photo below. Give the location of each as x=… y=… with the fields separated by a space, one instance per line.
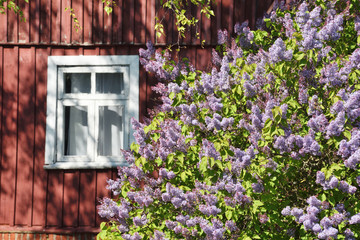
x=228 y=214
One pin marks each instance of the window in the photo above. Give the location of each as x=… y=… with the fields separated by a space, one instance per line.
x=90 y=101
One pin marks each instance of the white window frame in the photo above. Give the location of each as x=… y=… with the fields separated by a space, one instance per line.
x=56 y=99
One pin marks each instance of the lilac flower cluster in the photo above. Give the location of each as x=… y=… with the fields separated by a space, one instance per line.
x=244 y=34
x=278 y=52
x=350 y=150
x=333 y=183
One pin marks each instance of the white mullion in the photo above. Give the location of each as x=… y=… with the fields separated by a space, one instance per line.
x=60 y=131
x=92 y=130
x=93 y=82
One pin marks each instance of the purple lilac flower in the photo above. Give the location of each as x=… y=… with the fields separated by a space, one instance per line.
x=286 y=211
x=330 y=31
x=271 y=164
x=313 y=201
x=318 y=123
x=303 y=96
x=336 y=127
x=353 y=160
x=263 y=218
x=257 y=187
x=310 y=40
x=314 y=106
x=170 y=224
x=222 y=36
x=250 y=91
x=352 y=106
x=315 y=16
x=231 y=225
x=108 y=208
x=209 y=150
x=277 y=52
x=316 y=228
x=302 y=15
x=337 y=107
x=355 y=219
x=357 y=25
x=289 y=25
x=328 y=232
x=139 y=222
x=349 y=234
x=320 y=177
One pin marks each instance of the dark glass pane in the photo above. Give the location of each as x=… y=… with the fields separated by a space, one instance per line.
x=77 y=82
x=110 y=83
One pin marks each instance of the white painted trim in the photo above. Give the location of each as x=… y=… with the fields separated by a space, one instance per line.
x=131 y=83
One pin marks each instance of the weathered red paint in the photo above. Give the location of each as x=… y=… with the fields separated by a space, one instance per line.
x=31 y=198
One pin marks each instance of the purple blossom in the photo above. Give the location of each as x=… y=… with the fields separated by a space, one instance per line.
x=257 y=187
x=355 y=219
x=277 y=52
x=222 y=36
x=336 y=127
x=302 y=15
x=330 y=31
x=286 y=211
x=318 y=123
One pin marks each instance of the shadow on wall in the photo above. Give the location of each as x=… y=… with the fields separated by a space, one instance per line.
x=29 y=195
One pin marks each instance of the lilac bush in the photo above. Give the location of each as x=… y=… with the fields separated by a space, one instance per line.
x=266 y=145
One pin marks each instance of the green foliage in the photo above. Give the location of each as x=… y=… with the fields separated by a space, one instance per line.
x=253 y=136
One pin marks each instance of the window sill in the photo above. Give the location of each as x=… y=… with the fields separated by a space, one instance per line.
x=85 y=165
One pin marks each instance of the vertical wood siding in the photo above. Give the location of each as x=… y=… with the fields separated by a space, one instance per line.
x=31 y=198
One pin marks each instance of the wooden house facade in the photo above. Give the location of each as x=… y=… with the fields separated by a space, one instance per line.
x=61 y=203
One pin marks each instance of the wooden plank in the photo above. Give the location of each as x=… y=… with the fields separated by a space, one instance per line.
x=55 y=198
x=239 y=11
x=160 y=14
x=9 y=136
x=34 y=20
x=128 y=21
x=117 y=22
x=98 y=22
x=216 y=21
x=25 y=136
x=226 y=15
x=140 y=18
x=45 y=21
x=77 y=31
x=107 y=51
x=107 y=27
x=101 y=191
x=71 y=198
x=1 y=131
x=65 y=22
x=41 y=176
x=150 y=20
x=91 y=51
x=88 y=21
x=205 y=28
x=195 y=31
x=202 y=59
x=55 y=21
x=87 y=200
x=3 y=28
x=12 y=26
x=24 y=27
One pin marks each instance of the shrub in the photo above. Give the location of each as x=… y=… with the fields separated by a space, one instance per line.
x=265 y=146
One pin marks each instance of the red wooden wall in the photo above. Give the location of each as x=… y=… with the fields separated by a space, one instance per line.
x=34 y=199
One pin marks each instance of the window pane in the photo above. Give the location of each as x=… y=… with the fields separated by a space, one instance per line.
x=110 y=130
x=76 y=130
x=77 y=82
x=109 y=83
